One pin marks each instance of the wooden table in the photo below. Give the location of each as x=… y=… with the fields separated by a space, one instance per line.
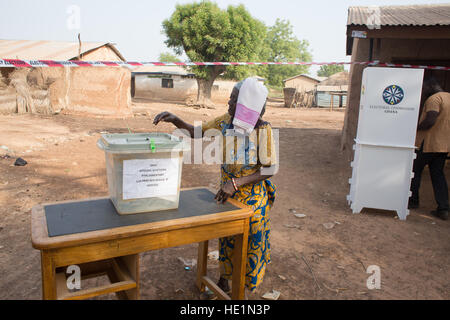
x=115 y=251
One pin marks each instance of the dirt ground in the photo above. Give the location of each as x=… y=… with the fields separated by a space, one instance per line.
x=309 y=261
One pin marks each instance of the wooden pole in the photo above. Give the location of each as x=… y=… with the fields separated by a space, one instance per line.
x=79 y=47
x=332 y=98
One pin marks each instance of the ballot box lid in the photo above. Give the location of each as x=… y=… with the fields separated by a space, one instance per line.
x=141 y=142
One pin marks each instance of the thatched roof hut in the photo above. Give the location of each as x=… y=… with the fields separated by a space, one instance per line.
x=337 y=79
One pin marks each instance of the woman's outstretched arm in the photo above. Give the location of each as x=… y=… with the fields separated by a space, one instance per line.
x=176 y=121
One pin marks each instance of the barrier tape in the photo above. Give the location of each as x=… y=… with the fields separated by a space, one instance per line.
x=16 y=63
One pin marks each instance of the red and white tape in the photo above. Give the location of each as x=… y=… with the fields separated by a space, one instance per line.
x=16 y=63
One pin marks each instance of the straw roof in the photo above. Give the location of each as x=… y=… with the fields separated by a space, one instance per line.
x=337 y=79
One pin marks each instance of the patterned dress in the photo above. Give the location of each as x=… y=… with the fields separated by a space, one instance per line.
x=250 y=156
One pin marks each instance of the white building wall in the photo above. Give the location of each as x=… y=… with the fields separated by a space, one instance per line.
x=183 y=89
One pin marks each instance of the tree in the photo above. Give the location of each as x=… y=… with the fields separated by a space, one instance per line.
x=168 y=57
x=207 y=33
x=328 y=70
x=281 y=45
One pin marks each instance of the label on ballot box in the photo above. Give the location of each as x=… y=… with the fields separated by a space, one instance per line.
x=144 y=178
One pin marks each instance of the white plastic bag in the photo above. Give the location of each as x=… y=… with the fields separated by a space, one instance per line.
x=251 y=100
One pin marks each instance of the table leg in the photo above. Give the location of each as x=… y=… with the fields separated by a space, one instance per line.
x=240 y=264
x=202 y=264
x=132 y=263
x=48 y=276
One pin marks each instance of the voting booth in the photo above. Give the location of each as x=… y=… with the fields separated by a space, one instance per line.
x=384 y=144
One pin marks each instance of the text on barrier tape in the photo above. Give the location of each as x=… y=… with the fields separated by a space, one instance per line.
x=16 y=63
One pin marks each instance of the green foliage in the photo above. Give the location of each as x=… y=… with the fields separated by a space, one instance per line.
x=328 y=70
x=207 y=33
x=275 y=91
x=241 y=72
x=168 y=57
x=281 y=45
x=204 y=32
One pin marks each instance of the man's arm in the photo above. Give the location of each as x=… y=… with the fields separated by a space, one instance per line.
x=429 y=121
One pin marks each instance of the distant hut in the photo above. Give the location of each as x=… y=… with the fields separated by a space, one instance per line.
x=303 y=82
x=299 y=90
x=175 y=83
x=103 y=90
x=333 y=91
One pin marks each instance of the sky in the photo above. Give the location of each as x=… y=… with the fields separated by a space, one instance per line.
x=135 y=25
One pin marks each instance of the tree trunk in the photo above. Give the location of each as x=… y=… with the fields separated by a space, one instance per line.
x=205 y=86
x=204 y=92
x=32 y=93
x=25 y=101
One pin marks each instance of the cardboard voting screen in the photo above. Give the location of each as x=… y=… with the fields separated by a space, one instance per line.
x=384 y=149
x=389 y=107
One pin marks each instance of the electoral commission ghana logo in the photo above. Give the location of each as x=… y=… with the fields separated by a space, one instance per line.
x=393 y=95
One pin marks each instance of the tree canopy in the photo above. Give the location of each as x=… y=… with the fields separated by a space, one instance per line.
x=207 y=33
x=168 y=57
x=281 y=45
x=328 y=70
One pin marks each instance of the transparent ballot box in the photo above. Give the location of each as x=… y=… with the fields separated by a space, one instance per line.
x=143 y=170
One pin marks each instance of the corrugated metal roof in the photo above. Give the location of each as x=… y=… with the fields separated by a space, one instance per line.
x=411 y=15
x=47 y=50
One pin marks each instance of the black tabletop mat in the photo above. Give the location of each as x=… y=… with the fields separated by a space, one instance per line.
x=91 y=215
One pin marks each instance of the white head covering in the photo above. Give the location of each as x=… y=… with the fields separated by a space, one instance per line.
x=251 y=100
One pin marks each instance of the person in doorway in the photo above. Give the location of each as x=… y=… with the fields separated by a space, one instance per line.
x=246 y=182
x=433 y=143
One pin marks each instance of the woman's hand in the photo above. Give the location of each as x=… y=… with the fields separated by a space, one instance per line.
x=225 y=192
x=177 y=122
x=165 y=116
